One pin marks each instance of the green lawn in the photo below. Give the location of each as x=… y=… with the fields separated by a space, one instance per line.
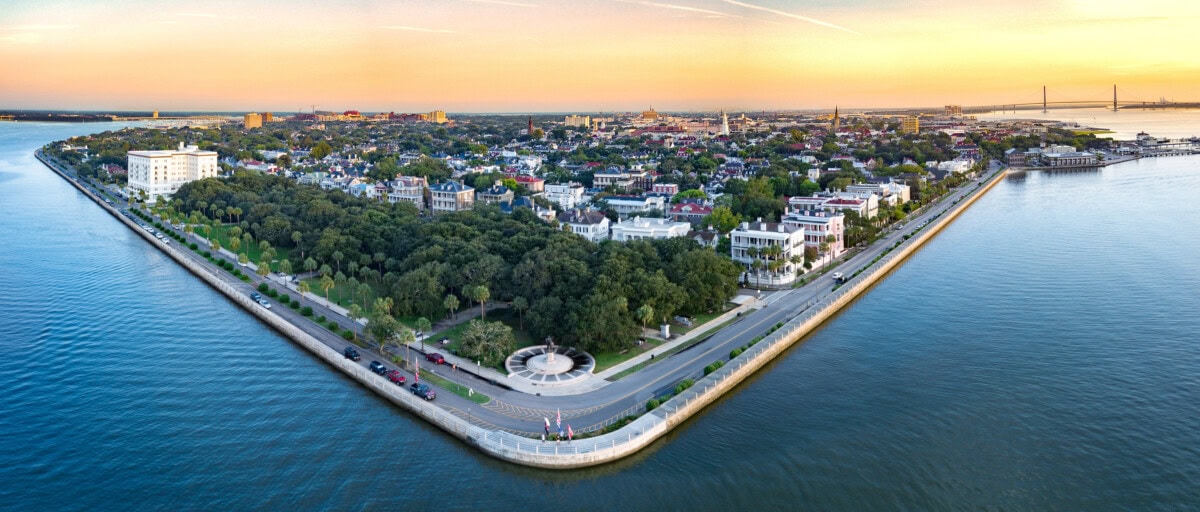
x=454 y=386
x=606 y=360
x=343 y=296
x=637 y=367
x=221 y=233
x=699 y=320
x=521 y=337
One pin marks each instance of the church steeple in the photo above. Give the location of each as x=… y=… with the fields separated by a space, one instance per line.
x=837 y=119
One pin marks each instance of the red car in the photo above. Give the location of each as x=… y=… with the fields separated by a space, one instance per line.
x=435 y=358
x=396 y=378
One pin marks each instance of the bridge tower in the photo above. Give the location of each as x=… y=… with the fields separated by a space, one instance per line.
x=1044 y=100
x=1114 y=97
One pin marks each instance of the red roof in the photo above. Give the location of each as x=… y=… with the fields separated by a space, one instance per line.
x=528 y=179
x=691 y=209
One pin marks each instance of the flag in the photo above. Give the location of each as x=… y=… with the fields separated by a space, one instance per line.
x=547 y=425
x=558 y=419
x=417 y=374
x=570 y=433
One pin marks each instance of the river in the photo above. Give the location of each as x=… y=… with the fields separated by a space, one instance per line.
x=1043 y=353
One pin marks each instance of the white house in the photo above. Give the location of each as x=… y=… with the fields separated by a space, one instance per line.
x=161 y=173
x=590 y=224
x=409 y=189
x=818 y=227
x=639 y=228
x=566 y=195
x=767 y=249
x=625 y=205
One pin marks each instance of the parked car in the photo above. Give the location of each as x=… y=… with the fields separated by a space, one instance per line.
x=264 y=303
x=396 y=378
x=684 y=321
x=838 y=277
x=256 y=296
x=422 y=391
x=435 y=358
x=378 y=367
x=351 y=353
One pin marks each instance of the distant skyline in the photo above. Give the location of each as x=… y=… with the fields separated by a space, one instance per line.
x=576 y=55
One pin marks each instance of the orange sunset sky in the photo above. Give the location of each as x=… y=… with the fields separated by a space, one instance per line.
x=584 y=55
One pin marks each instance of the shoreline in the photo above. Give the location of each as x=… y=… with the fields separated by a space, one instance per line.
x=638 y=433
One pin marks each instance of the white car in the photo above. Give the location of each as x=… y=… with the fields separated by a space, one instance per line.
x=264 y=303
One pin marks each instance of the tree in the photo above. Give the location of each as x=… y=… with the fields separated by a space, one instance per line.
x=480 y=294
x=296 y=238
x=243 y=259
x=303 y=288
x=645 y=314
x=451 y=304
x=520 y=305
x=722 y=219
x=264 y=268
x=382 y=328
x=325 y=270
x=326 y=284
x=355 y=312
x=310 y=265
x=321 y=150
x=234 y=243
x=339 y=279
x=423 y=326
x=285 y=267
x=337 y=258
x=487 y=342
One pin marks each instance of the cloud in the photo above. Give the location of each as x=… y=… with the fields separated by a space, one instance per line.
x=420 y=29
x=196 y=14
x=502 y=2
x=789 y=15
x=711 y=14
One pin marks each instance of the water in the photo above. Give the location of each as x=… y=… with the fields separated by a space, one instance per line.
x=1041 y=354
x=1125 y=125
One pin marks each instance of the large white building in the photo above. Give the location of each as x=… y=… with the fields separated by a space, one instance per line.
x=818 y=226
x=566 y=195
x=767 y=249
x=590 y=224
x=639 y=228
x=625 y=205
x=161 y=173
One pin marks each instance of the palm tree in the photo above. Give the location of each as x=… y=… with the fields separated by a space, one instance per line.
x=423 y=326
x=326 y=284
x=480 y=294
x=243 y=258
x=216 y=245
x=364 y=289
x=285 y=267
x=234 y=244
x=406 y=337
x=451 y=303
x=325 y=270
x=340 y=280
x=337 y=258
x=303 y=289
x=264 y=268
x=645 y=314
x=355 y=312
x=296 y=238
x=379 y=257
x=520 y=305
x=310 y=265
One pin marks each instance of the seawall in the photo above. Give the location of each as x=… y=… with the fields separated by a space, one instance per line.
x=583 y=452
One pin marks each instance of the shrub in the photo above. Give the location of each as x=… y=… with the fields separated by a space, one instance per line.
x=652 y=404
x=347 y=335
x=333 y=326
x=207 y=254
x=735 y=352
x=262 y=287
x=245 y=278
x=284 y=298
x=272 y=293
x=237 y=273
x=321 y=319
x=295 y=304
x=686 y=383
x=713 y=367
x=193 y=246
x=307 y=311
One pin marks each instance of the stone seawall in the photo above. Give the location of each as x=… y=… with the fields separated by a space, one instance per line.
x=583 y=452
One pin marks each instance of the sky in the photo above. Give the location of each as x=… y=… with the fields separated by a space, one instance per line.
x=589 y=55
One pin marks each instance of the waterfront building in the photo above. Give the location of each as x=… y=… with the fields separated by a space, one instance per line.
x=818 y=226
x=252 y=120
x=590 y=224
x=161 y=173
x=890 y=193
x=911 y=125
x=566 y=195
x=409 y=189
x=639 y=228
x=451 y=196
x=1071 y=159
x=773 y=253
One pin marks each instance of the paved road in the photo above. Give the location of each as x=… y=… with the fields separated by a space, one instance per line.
x=524 y=413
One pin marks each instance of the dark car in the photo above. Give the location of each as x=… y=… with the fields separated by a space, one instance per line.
x=422 y=391
x=255 y=296
x=396 y=378
x=351 y=354
x=435 y=358
x=378 y=367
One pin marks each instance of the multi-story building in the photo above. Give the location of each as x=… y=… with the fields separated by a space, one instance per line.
x=639 y=228
x=891 y=193
x=910 y=124
x=623 y=180
x=161 y=173
x=590 y=224
x=1071 y=159
x=566 y=195
x=866 y=208
x=268 y=117
x=691 y=213
x=665 y=188
x=451 y=196
x=773 y=253
x=252 y=120
x=495 y=194
x=578 y=121
x=625 y=205
x=409 y=189
x=533 y=184
x=437 y=116
x=818 y=227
